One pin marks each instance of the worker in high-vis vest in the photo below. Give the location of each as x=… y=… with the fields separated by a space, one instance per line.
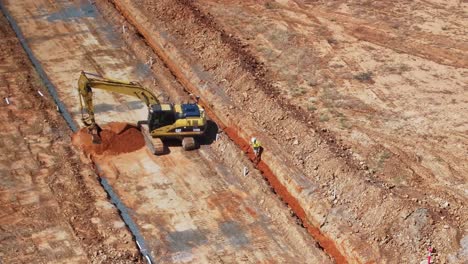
x=257 y=148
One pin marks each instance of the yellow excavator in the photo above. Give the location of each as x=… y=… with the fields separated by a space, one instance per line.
x=179 y=121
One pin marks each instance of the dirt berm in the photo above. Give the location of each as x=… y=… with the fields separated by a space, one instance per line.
x=367 y=219
x=116 y=138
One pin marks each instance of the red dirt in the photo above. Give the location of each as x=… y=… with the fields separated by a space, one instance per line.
x=393 y=182
x=326 y=243
x=117 y=138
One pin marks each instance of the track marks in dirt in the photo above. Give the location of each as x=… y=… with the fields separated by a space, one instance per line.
x=254 y=68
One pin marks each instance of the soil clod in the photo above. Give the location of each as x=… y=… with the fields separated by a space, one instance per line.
x=116 y=138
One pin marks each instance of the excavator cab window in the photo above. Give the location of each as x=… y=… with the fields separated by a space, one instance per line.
x=190 y=110
x=159 y=117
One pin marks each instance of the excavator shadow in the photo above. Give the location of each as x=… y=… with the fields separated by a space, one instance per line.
x=210 y=133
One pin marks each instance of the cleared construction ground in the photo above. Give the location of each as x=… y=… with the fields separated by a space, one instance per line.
x=188 y=206
x=53 y=209
x=361 y=109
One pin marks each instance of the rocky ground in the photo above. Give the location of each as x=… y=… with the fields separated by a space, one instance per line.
x=367 y=101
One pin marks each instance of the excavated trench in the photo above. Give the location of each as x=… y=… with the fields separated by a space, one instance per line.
x=279 y=189
x=337 y=235
x=232 y=132
x=115 y=133
x=358 y=218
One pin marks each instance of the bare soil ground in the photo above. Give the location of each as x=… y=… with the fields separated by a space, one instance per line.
x=368 y=100
x=53 y=209
x=194 y=206
x=361 y=108
x=388 y=78
x=116 y=138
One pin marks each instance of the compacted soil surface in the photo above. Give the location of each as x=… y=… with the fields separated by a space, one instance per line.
x=52 y=208
x=361 y=107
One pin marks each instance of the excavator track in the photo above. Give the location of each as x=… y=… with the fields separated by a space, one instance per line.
x=158 y=145
x=155 y=145
x=188 y=143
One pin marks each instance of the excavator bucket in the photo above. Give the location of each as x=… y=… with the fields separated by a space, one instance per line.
x=95 y=131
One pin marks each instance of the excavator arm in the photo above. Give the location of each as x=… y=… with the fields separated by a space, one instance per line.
x=86 y=85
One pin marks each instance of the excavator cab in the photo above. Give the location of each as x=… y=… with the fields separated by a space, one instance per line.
x=176 y=121
x=180 y=121
x=161 y=115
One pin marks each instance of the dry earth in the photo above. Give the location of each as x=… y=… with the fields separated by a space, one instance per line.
x=361 y=107
x=53 y=209
x=188 y=206
x=367 y=101
x=390 y=79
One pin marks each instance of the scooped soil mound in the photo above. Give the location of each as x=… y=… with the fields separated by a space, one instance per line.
x=116 y=138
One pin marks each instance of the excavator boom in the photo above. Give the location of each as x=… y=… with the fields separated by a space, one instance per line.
x=87 y=84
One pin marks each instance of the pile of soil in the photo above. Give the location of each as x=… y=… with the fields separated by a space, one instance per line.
x=116 y=138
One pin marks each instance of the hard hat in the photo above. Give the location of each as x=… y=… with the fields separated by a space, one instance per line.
x=253 y=140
